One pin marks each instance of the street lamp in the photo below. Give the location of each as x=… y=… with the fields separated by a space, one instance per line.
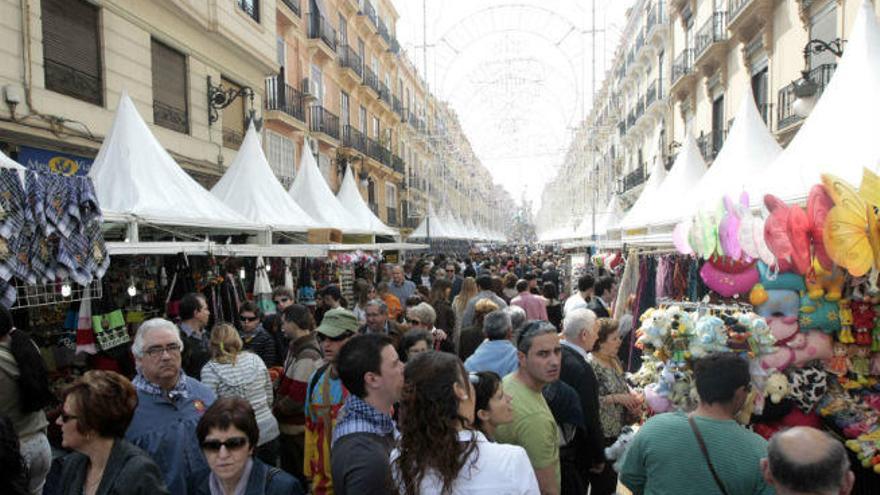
x=805 y=89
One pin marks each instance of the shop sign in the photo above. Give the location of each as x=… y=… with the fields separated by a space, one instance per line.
x=54 y=161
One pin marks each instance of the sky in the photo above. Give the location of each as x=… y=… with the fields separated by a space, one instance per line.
x=518 y=73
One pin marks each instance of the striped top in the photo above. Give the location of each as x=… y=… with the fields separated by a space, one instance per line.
x=248 y=379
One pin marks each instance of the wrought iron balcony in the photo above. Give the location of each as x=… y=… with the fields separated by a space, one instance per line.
x=683 y=64
x=294 y=6
x=323 y=121
x=397 y=164
x=634 y=179
x=377 y=152
x=353 y=138
x=712 y=31
x=370 y=12
x=651 y=94
x=391 y=216
x=283 y=97
x=383 y=32
x=170 y=117
x=656 y=16
x=398 y=107
x=320 y=28
x=412 y=119
x=394 y=46
x=384 y=93
x=785 y=114
x=70 y=81
x=710 y=144
x=734 y=7
x=349 y=59
x=371 y=80
x=640 y=41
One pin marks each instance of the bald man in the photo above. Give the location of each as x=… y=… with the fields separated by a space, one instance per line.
x=804 y=460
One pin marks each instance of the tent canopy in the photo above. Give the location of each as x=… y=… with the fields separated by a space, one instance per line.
x=606 y=218
x=353 y=202
x=250 y=188
x=134 y=175
x=669 y=203
x=838 y=137
x=748 y=151
x=632 y=218
x=312 y=193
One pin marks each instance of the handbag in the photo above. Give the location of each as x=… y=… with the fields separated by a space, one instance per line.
x=705 y=452
x=110 y=330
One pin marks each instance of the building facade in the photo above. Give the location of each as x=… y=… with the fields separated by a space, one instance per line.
x=327 y=71
x=687 y=64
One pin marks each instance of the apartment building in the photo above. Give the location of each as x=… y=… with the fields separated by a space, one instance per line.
x=330 y=71
x=688 y=63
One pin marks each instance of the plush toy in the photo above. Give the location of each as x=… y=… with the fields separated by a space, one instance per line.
x=808 y=386
x=859 y=362
x=797 y=349
x=819 y=315
x=779 y=303
x=618 y=449
x=838 y=362
x=846 y=321
x=867 y=449
x=680 y=238
x=875 y=364
x=751 y=239
x=710 y=335
x=728 y=284
x=776 y=388
x=728 y=229
x=863 y=314
x=758 y=295
x=821 y=282
x=780 y=281
x=819 y=203
x=875 y=338
x=799 y=233
x=659 y=403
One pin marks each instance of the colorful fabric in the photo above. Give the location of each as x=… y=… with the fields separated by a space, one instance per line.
x=611 y=382
x=36 y=196
x=322 y=409
x=12 y=199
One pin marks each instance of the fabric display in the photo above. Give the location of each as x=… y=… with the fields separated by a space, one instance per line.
x=50 y=230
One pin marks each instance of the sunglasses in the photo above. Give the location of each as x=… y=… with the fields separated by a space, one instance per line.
x=233 y=443
x=281 y=300
x=322 y=337
x=67 y=417
x=249 y=318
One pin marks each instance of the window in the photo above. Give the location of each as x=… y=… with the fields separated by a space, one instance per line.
x=362 y=120
x=233 y=118
x=362 y=51
x=717 y=124
x=317 y=83
x=760 y=92
x=343 y=106
x=251 y=8
x=376 y=127
x=170 y=108
x=72 y=49
x=390 y=195
x=280 y=51
x=343 y=30
x=823 y=26
x=281 y=155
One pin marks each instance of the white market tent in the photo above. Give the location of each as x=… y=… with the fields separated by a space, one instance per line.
x=605 y=219
x=250 y=188
x=749 y=150
x=353 y=202
x=439 y=230
x=632 y=219
x=6 y=162
x=840 y=134
x=311 y=192
x=135 y=176
x=669 y=203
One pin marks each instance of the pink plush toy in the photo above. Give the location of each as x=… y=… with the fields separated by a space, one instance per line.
x=729 y=284
x=799 y=234
x=728 y=230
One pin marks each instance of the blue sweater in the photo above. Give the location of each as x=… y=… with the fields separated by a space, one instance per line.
x=166 y=430
x=493 y=355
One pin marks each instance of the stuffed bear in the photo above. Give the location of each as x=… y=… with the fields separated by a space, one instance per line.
x=776 y=387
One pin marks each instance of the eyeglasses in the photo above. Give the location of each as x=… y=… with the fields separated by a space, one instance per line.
x=281 y=300
x=248 y=318
x=233 y=443
x=67 y=417
x=413 y=321
x=340 y=338
x=157 y=350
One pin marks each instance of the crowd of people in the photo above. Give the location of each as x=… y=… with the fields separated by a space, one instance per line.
x=448 y=375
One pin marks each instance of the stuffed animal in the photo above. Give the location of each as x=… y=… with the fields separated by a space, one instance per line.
x=821 y=282
x=776 y=388
x=798 y=350
x=710 y=335
x=618 y=449
x=728 y=229
x=838 y=362
x=859 y=362
x=846 y=321
x=808 y=386
x=819 y=203
x=729 y=284
x=784 y=280
x=779 y=303
x=863 y=314
x=819 y=315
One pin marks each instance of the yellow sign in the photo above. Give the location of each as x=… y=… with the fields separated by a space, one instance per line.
x=63 y=165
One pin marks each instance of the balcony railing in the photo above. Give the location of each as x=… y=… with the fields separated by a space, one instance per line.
x=397 y=164
x=713 y=31
x=294 y=6
x=640 y=41
x=170 y=117
x=656 y=16
x=785 y=114
x=683 y=64
x=283 y=97
x=371 y=13
x=383 y=32
x=710 y=144
x=391 y=216
x=734 y=7
x=70 y=81
x=651 y=94
x=412 y=119
x=397 y=106
x=385 y=93
x=349 y=59
x=634 y=179
x=320 y=28
x=323 y=121
x=353 y=138
x=371 y=80
x=394 y=46
x=377 y=152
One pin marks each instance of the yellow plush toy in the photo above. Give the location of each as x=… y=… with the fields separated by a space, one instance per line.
x=821 y=282
x=846 y=320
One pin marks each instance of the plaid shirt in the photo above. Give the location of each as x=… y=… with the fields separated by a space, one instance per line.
x=12 y=198
x=359 y=417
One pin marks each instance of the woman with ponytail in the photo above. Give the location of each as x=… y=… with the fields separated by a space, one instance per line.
x=232 y=372
x=24 y=392
x=440 y=452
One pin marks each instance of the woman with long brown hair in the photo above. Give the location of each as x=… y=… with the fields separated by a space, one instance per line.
x=459 y=304
x=439 y=451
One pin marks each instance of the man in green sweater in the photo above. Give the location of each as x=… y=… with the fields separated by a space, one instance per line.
x=666 y=457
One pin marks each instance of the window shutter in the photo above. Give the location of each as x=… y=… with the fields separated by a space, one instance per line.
x=71 y=50
x=170 y=107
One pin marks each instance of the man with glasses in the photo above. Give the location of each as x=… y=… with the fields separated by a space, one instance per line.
x=194 y=316
x=399 y=286
x=170 y=404
x=324 y=397
x=378 y=321
x=254 y=337
x=533 y=427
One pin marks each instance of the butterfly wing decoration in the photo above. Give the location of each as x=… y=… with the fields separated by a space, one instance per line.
x=818 y=206
x=852 y=232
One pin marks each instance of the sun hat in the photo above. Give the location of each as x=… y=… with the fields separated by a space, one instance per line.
x=337 y=322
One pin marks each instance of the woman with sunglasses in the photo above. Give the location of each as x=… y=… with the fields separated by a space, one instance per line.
x=491 y=404
x=234 y=373
x=439 y=451
x=228 y=435
x=97 y=410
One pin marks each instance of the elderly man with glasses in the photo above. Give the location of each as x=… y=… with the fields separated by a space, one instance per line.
x=379 y=322
x=170 y=404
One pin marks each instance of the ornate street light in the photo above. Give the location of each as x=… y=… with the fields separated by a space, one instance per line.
x=805 y=89
x=220 y=98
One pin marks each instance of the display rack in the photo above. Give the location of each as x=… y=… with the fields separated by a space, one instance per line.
x=31 y=296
